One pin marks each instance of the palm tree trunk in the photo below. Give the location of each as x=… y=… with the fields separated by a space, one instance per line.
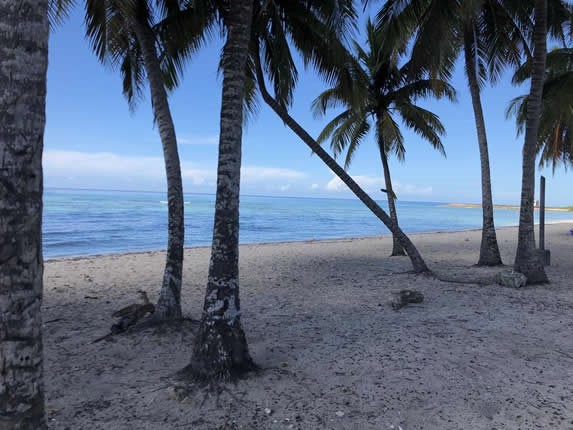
x=489 y=250
x=221 y=350
x=417 y=262
x=527 y=260
x=23 y=65
x=397 y=249
x=169 y=303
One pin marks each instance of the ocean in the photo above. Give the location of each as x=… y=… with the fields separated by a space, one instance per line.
x=88 y=222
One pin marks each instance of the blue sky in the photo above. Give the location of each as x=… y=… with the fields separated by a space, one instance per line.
x=92 y=139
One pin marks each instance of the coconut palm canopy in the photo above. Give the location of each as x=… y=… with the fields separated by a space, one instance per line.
x=377 y=90
x=555 y=137
x=179 y=32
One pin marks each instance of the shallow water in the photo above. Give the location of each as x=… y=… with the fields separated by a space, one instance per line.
x=83 y=222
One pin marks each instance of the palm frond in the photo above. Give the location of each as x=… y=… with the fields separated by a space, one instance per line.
x=345 y=133
x=332 y=125
x=180 y=33
x=58 y=11
x=359 y=132
x=424 y=123
x=425 y=88
x=388 y=131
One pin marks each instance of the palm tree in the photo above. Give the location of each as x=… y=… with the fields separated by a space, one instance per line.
x=379 y=91
x=527 y=260
x=418 y=262
x=221 y=351
x=555 y=136
x=23 y=65
x=441 y=30
x=317 y=30
x=149 y=44
x=492 y=35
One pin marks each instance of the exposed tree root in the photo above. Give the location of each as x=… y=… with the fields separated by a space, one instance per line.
x=150 y=322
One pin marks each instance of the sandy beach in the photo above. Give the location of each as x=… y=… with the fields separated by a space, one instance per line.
x=333 y=353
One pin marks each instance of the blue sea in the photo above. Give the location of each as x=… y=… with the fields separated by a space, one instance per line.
x=86 y=222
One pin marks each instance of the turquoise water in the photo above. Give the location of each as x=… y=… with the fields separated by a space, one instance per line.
x=81 y=222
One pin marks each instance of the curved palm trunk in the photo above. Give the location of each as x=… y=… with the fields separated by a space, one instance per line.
x=169 y=303
x=417 y=262
x=489 y=250
x=527 y=260
x=397 y=249
x=221 y=350
x=23 y=65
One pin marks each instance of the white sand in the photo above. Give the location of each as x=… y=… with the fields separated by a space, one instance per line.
x=318 y=323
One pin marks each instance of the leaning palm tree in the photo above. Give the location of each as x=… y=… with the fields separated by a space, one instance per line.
x=555 y=136
x=380 y=92
x=418 y=263
x=149 y=42
x=317 y=30
x=23 y=66
x=527 y=260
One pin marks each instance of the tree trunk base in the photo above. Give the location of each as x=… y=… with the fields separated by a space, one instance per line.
x=220 y=353
x=532 y=267
x=489 y=249
x=490 y=262
x=168 y=305
x=167 y=315
x=489 y=255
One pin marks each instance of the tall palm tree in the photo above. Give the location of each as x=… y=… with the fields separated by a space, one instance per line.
x=317 y=30
x=221 y=350
x=380 y=91
x=149 y=42
x=491 y=34
x=443 y=29
x=527 y=260
x=23 y=65
x=555 y=136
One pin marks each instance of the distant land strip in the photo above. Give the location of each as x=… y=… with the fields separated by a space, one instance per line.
x=474 y=205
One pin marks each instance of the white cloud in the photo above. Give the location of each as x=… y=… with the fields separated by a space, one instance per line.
x=198 y=140
x=75 y=164
x=366 y=182
x=255 y=174
x=93 y=169
x=81 y=163
x=314 y=187
x=375 y=183
x=419 y=190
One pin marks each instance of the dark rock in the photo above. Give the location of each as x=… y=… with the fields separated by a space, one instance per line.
x=405 y=297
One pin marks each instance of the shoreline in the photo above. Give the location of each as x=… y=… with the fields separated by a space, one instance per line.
x=284 y=242
x=508 y=207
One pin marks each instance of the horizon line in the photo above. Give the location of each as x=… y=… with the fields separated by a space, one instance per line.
x=245 y=195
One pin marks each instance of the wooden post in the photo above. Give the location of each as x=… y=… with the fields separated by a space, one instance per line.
x=542 y=214
x=544 y=254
